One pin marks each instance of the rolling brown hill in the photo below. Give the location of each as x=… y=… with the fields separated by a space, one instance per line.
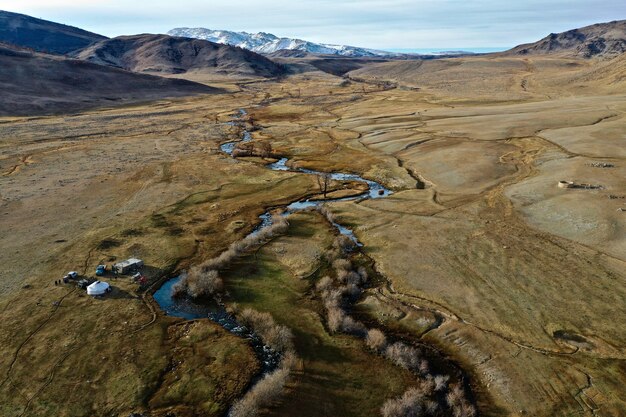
x=34 y=83
x=599 y=40
x=42 y=35
x=162 y=54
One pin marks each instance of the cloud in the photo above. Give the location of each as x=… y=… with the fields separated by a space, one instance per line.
x=371 y=23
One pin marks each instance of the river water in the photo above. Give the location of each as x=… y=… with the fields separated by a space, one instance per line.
x=190 y=310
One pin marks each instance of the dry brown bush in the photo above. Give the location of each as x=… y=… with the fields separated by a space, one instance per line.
x=199 y=287
x=275 y=335
x=335 y=318
x=203 y=284
x=459 y=406
x=262 y=394
x=344 y=244
x=376 y=340
x=348 y=277
x=324 y=284
x=363 y=273
x=404 y=356
x=410 y=404
x=441 y=382
x=325 y=211
x=342 y=265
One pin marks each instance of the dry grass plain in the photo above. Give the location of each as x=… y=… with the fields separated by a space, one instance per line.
x=520 y=282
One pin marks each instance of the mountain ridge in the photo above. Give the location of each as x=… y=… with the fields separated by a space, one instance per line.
x=164 y=54
x=267 y=43
x=43 y=35
x=604 y=40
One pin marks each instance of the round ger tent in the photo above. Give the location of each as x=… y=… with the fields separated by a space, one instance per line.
x=98 y=288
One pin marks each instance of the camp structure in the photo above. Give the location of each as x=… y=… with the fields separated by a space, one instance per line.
x=127 y=266
x=98 y=288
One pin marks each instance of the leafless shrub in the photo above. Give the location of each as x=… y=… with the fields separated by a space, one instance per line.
x=363 y=273
x=342 y=265
x=403 y=355
x=332 y=254
x=376 y=340
x=335 y=318
x=262 y=394
x=195 y=287
x=339 y=321
x=410 y=404
x=324 y=284
x=431 y=407
x=351 y=291
x=180 y=288
x=427 y=385
x=348 y=277
x=325 y=211
x=344 y=244
x=459 y=406
x=203 y=284
x=276 y=336
x=441 y=382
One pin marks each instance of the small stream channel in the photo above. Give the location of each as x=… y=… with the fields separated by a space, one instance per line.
x=188 y=309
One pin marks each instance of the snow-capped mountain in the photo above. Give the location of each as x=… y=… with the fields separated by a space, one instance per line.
x=266 y=43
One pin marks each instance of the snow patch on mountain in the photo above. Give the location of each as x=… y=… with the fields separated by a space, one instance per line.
x=266 y=43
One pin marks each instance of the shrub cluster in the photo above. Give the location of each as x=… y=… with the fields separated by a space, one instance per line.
x=431 y=397
x=279 y=338
x=203 y=280
x=274 y=335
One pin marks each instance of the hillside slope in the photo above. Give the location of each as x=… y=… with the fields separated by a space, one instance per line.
x=599 y=40
x=34 y=83
x=42 y=35
x=164 y=54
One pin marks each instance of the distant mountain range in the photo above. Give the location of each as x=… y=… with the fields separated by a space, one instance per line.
x=266 y=43
x=600 y=40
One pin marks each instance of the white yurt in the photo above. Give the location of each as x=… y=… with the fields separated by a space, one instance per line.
x=98 y=288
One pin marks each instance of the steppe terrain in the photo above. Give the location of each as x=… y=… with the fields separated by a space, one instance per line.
x=479 y=256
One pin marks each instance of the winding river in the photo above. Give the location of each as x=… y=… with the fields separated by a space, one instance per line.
x=189 y=310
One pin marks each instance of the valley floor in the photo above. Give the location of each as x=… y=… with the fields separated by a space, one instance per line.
x=482 y=257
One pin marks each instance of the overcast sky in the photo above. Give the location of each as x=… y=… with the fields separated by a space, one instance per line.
x=380 y=24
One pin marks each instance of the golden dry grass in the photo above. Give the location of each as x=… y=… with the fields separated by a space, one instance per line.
x=527 y=278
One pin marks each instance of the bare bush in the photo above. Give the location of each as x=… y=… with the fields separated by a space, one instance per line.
x=335 y=318
x=351 y=291
x=363 y=273
x=202 y=283
x=403 y=355
x=348 y=277
x=262 y=394
x=275 y=335
x=339 y=321
x=376 y=340
x=344 y=244
x=324 y=284
x=325 y=211
x=459 y=406
x=441 y=382
x=409 y=404
x=342 y=265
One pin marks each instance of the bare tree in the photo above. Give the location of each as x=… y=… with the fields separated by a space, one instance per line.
x=323 y=182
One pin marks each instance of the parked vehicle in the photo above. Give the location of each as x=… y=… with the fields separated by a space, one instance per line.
x=100 y=270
